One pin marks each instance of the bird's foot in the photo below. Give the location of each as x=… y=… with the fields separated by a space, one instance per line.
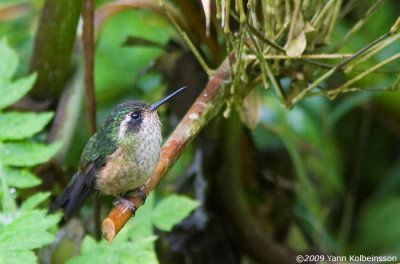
x=138 y=192
x=126 y=203
x=143 y=196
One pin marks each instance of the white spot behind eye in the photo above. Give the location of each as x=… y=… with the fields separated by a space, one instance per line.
x=123 y=126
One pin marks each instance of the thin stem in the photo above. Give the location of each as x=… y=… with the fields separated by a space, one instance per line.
x=316 y=20
x=373 y=51
x=304 y=56
x=271 y=43
x=363 y=50
x=254 y=31
x=296 y=13
x=333 y=21
x=396 y=25
x=267 y=71
x=227 y=9
x=241 y=11
x=360 y=23
x=334 y=93
x=88 y=48
x=329 y=73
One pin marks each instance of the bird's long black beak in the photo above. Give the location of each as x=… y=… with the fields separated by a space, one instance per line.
x=157 y=104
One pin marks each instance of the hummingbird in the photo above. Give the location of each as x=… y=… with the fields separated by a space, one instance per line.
x=119 y=158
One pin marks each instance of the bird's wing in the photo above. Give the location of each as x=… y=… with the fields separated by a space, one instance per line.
x=94 y=156
x=84 y=181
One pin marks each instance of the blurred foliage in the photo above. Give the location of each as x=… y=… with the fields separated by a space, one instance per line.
x=327 y=171
x=135 y=243
x=23 y=227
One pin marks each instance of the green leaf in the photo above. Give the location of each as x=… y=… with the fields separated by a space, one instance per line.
x=135 y=242
x=8 y=62
x=34 y=200
x=14 y=125
x=88 y=244
x=20 y=178
x=12 y=92
x=28 y=231
x=8 y=204
x=171 y=211
x=112 y=58
x=27 y=153
x=18 y=257
x=117 y=252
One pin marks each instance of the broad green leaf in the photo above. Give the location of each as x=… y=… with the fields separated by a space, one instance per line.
x=20 y=178
x=171 y=211
x=8 y=204
x=18 y=257
x=12 y=92
x=97 y=256
x=27 y=153
x=117 y=252
x=135 y=243
x=28 y=231
x=34 y=200
x=14 y=125
x=88 y=244
x=8 y=62
x=113 y=58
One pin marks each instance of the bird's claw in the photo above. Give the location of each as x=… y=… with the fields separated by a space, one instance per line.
x=138 y=192
x=127 y=204
x=143 y=196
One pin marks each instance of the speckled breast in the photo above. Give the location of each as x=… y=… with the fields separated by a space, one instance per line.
x=130 y=166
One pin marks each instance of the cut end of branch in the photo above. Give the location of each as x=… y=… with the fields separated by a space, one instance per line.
x=116 y=219
x=108 y=230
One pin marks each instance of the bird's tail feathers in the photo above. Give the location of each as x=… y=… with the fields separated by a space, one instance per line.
x=73 y=197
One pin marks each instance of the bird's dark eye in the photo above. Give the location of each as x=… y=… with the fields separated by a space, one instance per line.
x=135 y=115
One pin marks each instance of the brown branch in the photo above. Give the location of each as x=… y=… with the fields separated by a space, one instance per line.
x=88 y=48
x=206 y=106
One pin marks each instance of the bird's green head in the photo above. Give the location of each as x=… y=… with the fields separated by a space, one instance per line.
x=133 y=116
